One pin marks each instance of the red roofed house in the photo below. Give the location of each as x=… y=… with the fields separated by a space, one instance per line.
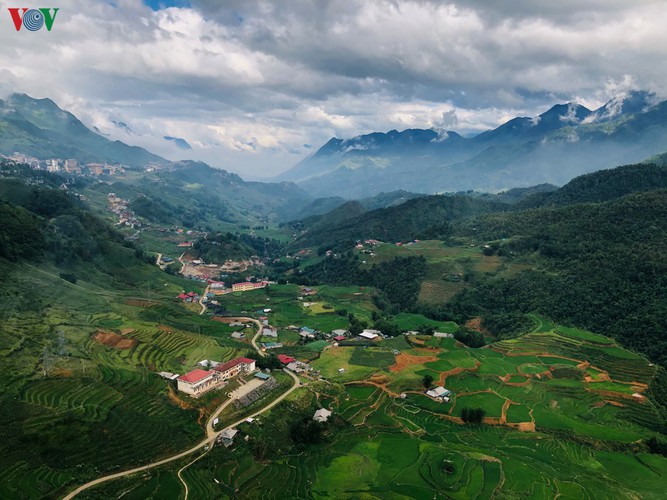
x=182 y=296
x=338 y=338
x=234 y=367
x=285 y=359
x=197 y=382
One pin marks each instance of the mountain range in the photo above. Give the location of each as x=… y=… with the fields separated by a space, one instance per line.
x=39 y=128
x=566 y=141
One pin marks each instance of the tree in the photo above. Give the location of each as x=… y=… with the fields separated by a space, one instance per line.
x=427 y=381
x=473 y=415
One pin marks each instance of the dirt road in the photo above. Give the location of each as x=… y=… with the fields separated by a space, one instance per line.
x=211 y=434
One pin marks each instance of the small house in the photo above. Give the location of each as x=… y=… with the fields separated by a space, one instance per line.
x=269 y=331
x=369 y=334
x=227 y=437
x=439 y=393
x=285 y=359
x=322 y=415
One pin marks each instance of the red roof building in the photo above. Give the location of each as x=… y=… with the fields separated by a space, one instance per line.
x=182 y=296
x=285 y=359
x=234 y=367
x=338 y=338
x=197 y=382
x=195 y=375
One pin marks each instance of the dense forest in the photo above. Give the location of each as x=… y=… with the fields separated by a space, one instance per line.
x=398 y=279
x=603 y=185
x=218 y=247
x=47 y=223
x=599 y=266
x=426 y=217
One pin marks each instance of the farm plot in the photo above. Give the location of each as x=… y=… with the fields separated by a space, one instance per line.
x=491 y=403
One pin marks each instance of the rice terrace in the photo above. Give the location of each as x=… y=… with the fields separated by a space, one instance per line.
x=561 y=407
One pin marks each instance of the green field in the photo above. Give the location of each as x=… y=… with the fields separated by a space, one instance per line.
x=87 y=408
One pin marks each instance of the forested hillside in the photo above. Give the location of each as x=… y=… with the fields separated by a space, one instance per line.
x=603 y=185
x=598 y=266
x=427 y=218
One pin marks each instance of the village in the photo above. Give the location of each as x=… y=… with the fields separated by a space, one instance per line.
x=67 y=166
x=254 y=383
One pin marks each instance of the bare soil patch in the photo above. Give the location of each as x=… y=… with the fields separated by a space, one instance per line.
x=112 y=339
x=404 y=360
x=476 y=324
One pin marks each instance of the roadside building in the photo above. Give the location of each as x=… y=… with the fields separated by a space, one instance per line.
x=270 y=331
x=285 y=359
x=234 y=367
x=227 y=437
x=197 y=382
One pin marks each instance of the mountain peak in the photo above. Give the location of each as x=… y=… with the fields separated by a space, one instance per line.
x=626 y=103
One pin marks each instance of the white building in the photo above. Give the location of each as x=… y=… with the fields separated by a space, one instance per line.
x=322 y=415
x=196 y=382
x=439 y=392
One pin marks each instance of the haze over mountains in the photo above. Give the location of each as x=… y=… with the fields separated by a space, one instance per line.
x=39 y=128
x=554 y=147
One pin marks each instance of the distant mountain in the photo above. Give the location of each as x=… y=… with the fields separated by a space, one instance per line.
x=194 y=194
x=554 y=147
x=38 y=127
x=180 y=143
x=321 y=206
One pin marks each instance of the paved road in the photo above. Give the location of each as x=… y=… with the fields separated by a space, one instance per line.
x=211 y=434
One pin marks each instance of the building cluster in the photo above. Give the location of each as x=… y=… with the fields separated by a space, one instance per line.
x=126 y=217
x=69 y=166
x=200 y=381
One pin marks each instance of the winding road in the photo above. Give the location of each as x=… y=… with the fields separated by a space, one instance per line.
x=211 y=434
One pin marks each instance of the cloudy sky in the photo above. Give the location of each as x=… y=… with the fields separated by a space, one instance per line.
x=254 y=87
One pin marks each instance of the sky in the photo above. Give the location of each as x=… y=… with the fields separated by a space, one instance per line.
x=256 y=86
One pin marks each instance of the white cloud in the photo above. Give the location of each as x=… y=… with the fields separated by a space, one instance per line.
x=249 y=83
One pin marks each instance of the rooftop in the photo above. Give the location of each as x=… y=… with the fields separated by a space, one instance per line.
x=232 y=363
x=195 y=376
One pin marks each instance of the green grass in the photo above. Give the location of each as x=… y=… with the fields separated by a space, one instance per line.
x=409 y=321
x=578 y=334
x=518 y=413
x=491 y=403
x=371 y=357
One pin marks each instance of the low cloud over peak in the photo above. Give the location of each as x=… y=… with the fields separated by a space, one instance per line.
x=250 y=83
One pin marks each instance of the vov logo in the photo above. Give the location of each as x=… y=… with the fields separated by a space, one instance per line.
x=33 y=19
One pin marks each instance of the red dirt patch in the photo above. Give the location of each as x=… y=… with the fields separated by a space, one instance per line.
x=179 y=402
x=525 y=426
x=111 y=339
x=476 y=324
x=404 y=360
